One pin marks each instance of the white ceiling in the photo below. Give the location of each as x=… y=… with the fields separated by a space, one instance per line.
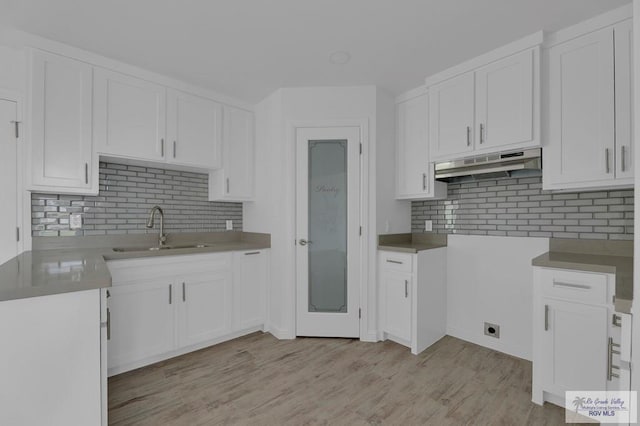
x=248 y=48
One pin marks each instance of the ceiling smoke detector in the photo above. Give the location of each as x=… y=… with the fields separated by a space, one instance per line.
x=340 y=57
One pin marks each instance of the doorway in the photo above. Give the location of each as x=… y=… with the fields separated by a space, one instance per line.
x=328 y=231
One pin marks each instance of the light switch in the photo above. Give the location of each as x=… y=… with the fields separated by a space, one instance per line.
x=229 y=225
x=428 y=226
x=75 y=221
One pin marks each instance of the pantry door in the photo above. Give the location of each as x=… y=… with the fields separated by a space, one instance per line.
x=328 y=231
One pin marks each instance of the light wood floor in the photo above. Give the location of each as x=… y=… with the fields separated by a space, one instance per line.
x=260 y=380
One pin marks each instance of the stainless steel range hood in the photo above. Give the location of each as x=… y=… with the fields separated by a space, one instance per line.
x=490 y=165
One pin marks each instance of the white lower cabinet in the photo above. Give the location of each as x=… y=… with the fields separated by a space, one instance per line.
x=575 y=336
x=166 y=306
x=413 y=297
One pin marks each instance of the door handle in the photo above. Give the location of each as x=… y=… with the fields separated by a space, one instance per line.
x=304 y=242
x=546 y=317
x=406 y=288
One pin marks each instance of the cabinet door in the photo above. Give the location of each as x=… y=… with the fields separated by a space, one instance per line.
x=249 y=288
x=451 y=115
x=623 y=33
x=205 y=303
x=8 y=180
x=235 y=181
x=575 y=346
x=580 y=147
x=504 y=102
x=413 y=177
x=130 y=116
x=61 y=125
x=398 y=303
x=142 y=318
x=194 y=130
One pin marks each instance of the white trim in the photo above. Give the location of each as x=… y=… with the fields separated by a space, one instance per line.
x=365 y=249
x=22 y=39
x=411 y=94
x=596 y=23
x=525 y=43
x=23 y=209
x=280 y=334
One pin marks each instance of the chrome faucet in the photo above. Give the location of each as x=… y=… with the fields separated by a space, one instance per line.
x=161 y=238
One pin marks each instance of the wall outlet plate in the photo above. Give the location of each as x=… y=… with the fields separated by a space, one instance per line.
x=492 y=330
x=229 y=225
x=428 y=226
x=75 y=221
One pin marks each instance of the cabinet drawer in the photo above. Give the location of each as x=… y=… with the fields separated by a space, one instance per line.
x=576 y=286
x=396 y=261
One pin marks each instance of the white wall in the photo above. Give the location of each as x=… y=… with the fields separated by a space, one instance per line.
x=635 y=310
x=274 y=209
x=490 y=279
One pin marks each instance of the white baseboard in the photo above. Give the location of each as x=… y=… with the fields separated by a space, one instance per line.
x=280 y=334
x=371 y=336
x=481 y=340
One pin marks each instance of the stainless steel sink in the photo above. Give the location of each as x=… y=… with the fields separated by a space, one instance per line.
x=187 y=246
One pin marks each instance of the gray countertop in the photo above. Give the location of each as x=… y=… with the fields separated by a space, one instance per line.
x=68 y=264
x=411 y=243
x=595 y=257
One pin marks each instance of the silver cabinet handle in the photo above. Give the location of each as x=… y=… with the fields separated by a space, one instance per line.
x=170 y=294
x=622 y=159
x=394 y=261
x=174 y=149
x=610 y=366
x=108 y=324
x=162 y=147
x=571 y=285
x=406 y=288
x=481 y=133
x=227 y=185
x=86 y=173
x=252 y=253
x=546 y=317
x=424 y=181
x=184 y=292
x=304 y=242
x=468 y=136
x=606 y=159
x=616 y=321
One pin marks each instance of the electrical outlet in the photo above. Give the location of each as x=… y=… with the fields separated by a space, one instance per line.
x=428 y=226
x=229 y=225
x=75 y=221
x=492 y=330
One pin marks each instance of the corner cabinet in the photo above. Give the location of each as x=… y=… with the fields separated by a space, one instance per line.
x=492 y=108
x=412 y=297
x=577 y=339
x=234 y=181
x=60 y=126
x=415 y=173
x=166 y=306
x=589 y=111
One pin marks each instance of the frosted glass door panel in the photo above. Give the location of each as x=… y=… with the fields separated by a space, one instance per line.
x=328 y=226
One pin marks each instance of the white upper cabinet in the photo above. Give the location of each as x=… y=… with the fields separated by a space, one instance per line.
x=129 y=117
x=194 y=127
x=451 y=115
x=62 y=159
x=589 y=143
x=235 y=180
x=581 y=106
x=623 y=37
x=505 y=103
x=488 y=104
x=415 y=174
